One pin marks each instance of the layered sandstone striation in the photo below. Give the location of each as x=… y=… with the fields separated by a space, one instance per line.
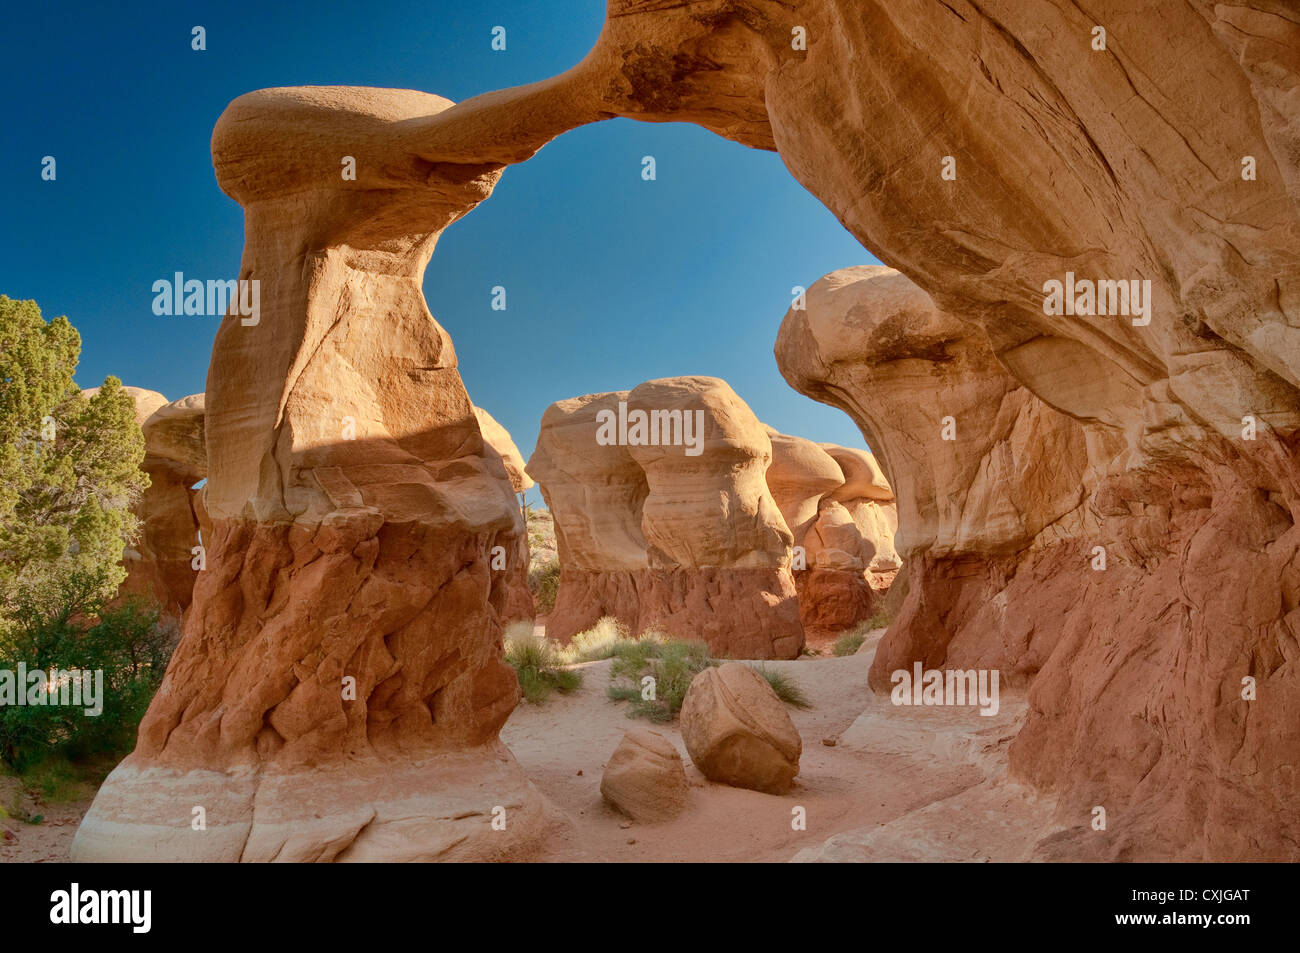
x=680 y=535
x=340 y=683
x=841 y=512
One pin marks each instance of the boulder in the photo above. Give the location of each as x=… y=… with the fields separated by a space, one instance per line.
x=738 y=732
x=644 y=777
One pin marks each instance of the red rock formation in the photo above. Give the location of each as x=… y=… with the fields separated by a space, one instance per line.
x=514 y=562
x=159 y=564
x=686 y=540
x=999 y=530
x=340 y=684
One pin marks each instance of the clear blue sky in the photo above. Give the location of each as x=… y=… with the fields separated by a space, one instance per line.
x=611 y=280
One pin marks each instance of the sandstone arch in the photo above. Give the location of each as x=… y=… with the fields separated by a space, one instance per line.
x=1123 y=164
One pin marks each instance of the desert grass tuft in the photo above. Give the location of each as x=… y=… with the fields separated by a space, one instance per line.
x=851 y=640
x=786 y=688
x=540 y=666
x=672 y=663
x=599 y=642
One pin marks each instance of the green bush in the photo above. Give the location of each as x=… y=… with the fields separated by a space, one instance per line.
x=538 y=664
x=78 y=632
x=599 y=642
x=544 y=581
x=786 y=688
x=849 y=642
x=69 y=465
x=672 y=663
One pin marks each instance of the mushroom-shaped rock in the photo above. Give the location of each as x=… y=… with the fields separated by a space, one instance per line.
x=339 y=686
x=160 y=565
x=844 y=556
x=738 y=732
x=801 y=474
x=663 y=517
x=961 y=440
x=644 y=777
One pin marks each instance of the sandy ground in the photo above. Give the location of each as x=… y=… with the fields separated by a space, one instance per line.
x=50 y=840
x=897 y=784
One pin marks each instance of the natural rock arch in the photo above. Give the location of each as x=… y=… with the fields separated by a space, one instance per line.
x=1117 y=170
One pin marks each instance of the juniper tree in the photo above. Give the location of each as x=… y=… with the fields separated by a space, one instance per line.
x=69 y=465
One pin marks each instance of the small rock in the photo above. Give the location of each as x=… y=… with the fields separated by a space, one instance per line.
x=645 y=778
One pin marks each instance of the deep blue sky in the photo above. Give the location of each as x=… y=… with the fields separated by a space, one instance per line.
x=611 y=280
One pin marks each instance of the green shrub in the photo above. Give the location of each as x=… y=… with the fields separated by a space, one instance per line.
x=672 y=663
x=786 y=688
x=599 y=642
x=538 y=664
x=880 y=619
x=849 y=642
x=76 y=632
x=544 y=581
x=69 y=466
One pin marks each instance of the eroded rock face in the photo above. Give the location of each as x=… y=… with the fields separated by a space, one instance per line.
x=514 y=563
x=963 y=443
x=644 y=778
x=841 y=511
x=1125 y=167
x=159 y=565
x=1031 y=549
x=737 y=730
x=340 y=683
x=681 y=535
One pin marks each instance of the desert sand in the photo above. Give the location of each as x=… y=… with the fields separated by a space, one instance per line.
x=899 y=784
